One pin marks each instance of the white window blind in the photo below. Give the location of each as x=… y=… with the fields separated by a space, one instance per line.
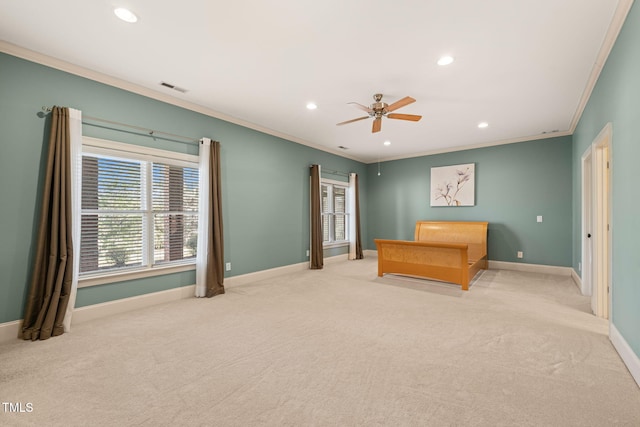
x=339 y=213
x=334 y=212
x=136 y=213
x=175 y=212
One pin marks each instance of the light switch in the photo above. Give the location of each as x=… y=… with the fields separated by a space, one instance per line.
x=539 y=218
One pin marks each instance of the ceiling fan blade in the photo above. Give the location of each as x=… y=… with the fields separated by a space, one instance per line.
x=411 y=117
x=377 y=125
x=401 y=103
x=352 y=120
x=362 y=107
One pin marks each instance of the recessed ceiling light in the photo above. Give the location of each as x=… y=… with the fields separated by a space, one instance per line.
x=483 y=125
x=311 y=106
x=445 y=60
x=387 y=143
x=126 y=15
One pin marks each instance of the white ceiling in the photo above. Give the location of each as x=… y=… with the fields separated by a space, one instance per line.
x=524 y=66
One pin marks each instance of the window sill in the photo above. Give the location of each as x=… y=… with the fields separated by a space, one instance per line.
x=334 y=245
x=113 y=277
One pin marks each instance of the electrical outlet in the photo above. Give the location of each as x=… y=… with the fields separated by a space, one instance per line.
x=307 y=252
x=579 y=266
x=228 y=266
x=520 y=254
x=539 y=218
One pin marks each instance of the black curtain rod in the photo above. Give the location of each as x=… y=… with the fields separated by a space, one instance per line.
x=147 y=132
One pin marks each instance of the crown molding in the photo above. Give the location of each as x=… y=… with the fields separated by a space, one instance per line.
x=619 y=16
x=77 y=70
x=476 y=146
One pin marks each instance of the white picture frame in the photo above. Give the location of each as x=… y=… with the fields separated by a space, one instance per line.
x=453 y=185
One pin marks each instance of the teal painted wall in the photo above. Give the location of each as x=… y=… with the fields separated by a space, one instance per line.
x=265 y=179
x=113 y=291
x=616 y=99
x=514 y=184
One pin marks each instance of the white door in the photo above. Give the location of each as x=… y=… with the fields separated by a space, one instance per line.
x=601 y=226
x=587 y=225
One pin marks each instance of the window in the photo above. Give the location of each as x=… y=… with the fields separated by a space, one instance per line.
x=334 y=212
x=139 y=208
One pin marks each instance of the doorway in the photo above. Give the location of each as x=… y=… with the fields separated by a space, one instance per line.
x=587 y=221
x=596 y=224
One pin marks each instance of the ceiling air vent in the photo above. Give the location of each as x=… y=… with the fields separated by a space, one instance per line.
x=174 y=87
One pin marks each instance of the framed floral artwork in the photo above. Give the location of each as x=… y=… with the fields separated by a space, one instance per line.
x=453 y=185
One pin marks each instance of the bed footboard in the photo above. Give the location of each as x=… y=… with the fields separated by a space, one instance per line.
x=434 y=260
x=451 y=251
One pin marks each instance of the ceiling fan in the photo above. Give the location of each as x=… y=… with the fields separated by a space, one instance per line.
x=379 y=109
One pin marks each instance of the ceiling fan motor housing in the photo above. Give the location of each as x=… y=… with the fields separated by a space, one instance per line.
x=379 y=108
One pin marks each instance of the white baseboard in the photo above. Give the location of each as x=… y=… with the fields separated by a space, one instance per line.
x=9 y=331
x=243 y=279
x=530 y=268
x=630 y=359
x=515 y=266
x=275 y=272
x=97 y=311
x=577 y=280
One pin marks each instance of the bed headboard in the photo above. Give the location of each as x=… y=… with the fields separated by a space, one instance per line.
x=474 y=233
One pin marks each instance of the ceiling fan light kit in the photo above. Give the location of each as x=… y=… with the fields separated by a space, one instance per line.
x=380 y=109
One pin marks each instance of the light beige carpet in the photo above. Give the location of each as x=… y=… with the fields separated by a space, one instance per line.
x=338 y=347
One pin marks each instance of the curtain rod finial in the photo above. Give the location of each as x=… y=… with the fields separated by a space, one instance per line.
x=42 y=114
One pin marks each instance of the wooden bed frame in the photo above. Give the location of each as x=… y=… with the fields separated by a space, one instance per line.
x=443 y=250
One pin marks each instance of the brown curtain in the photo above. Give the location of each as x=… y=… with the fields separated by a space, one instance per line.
x=215 y=263
x=359 y=254
x=53 y=266
x=316 y=260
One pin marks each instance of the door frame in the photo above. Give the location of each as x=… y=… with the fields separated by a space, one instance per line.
x=597 y=260
x=586 y=270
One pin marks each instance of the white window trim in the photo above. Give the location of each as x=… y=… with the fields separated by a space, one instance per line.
x=139 y=273
x=335 y=244
x=345 y=185
x=138 y=152
x=116 y=149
